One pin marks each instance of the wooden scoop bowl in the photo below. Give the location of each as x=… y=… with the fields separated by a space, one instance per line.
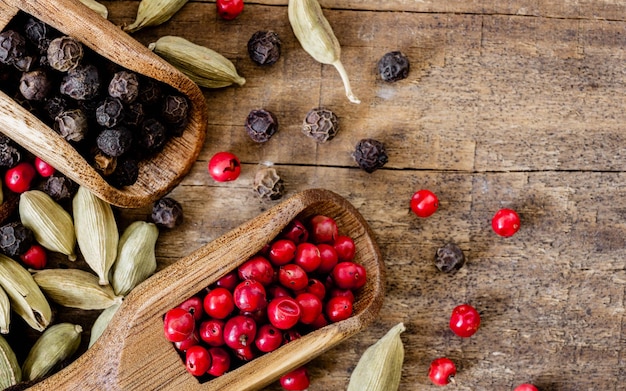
x=133 y=354
x=158 y=175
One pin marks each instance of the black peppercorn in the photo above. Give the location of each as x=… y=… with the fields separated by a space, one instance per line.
x=370 y=154
x=268 y=184
x=39 y=33
x=55 y=106
x=449 y=258
x=15 y=239
x=104 y=163
x=264 y=47
x=152 y=136
x=72 y=125
x=110 y=112
x=261 y=125
x=64 y=53
x=175 y=109
x=125 y=174
x=81 y=83
x=59 y=187
x=167 y=213
x=10 y=152
x=393 y=66
x=134 y=115
x=125 y=86
x=321 y=124
x=35 y=85
x=12 y=47
x=25 y=63
x=149 y=92
x=115 y=142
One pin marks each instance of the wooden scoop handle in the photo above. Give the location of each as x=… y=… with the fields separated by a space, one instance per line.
x=132 y=353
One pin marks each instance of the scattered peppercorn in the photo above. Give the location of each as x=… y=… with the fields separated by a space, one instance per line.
x=64 y=53
x=124 y=85
x=268 y=184
x=125 y=174
x=261 y=125
x=81 y=83
x=115 y=142
x=167 y=213
x=59 y=187
x=72 y=125
x=152 y=136
x=110 y=112
x=10 y=152
x=449 y=258
x=264 y=47
x=15 y=238
x=35 y=85
x=393 y=66
x=320 y=124
x=12 y=47
x=370 y=154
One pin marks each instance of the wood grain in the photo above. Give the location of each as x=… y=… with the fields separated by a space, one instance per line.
x=508 y=104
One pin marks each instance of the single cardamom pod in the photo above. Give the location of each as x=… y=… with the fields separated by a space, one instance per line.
x=52 y=226
x=96 y=232
x=25 y=297
x=58 y=343
x=380 y=366
x=317 y=38
x=5 y=312
x=76 y=288
x=154 y=13
x=205 y=67
x=98 y=7
x=136 y=259
x=10 y=371
x=102 y=322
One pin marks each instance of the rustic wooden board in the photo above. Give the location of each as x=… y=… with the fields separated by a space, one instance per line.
x=508 y=104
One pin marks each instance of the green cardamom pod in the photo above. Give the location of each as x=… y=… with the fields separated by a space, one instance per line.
x=5 y=312
x=317 y=38
x=136 y=259
x=24 y=294
x=154 y=13
x=56 y=344
x=52 y=226
x=98 y=7
x=96 y=232
x=10 y=371
x=380 y=366
x=205 y=67
x=76 y=288
x=102 y=322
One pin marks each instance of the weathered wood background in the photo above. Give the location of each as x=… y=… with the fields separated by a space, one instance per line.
x=511 y=103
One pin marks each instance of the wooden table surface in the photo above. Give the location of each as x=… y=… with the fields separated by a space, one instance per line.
x=511 y=103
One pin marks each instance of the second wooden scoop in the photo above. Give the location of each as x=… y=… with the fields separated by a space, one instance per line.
x=133 y=354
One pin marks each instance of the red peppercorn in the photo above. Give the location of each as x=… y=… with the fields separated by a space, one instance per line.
x=526 y=387
x=311 y=307
x=192 y=340
x=193 y=305
x=257 y=268
x=348 y=275
x=424 y=203
x=224 y=167
x=345 y=248
x=505 y=222
x=220 y=361
x=229 y=9
x=268 y=338
x=197 y=360
x=323 y=229
x=35 y=257
x=239 y=331
x=308 y=257
x=212 y=332
x=464 y=321
x=218 y=303
x=338 y=308
x=282 y=251
x=284 y=312
x=297 y=380
x=295 y=231
x=293 y=277
x=329 y=258
x=250 y=296
x=442 y=371
x=178 y=324
x=19 y=178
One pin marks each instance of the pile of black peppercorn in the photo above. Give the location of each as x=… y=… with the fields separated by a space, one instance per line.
x=114 y=117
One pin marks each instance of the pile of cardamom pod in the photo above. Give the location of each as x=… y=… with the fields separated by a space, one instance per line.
x=118 y=263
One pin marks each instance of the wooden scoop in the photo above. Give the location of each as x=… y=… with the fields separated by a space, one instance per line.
x=158 y=175
x=133 y=354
